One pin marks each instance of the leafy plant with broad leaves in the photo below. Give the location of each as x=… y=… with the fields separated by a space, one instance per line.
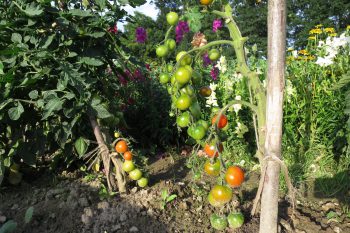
x=58 y=68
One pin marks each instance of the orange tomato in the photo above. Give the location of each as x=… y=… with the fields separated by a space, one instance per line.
x=222 y=121
x=206 y=2
x=121 y=146
x=210 y=150
x=127 y=155
x=234 y=176
x=221 y=193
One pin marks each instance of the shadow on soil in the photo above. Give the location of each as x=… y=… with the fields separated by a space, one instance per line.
x=337 y=187
x=71 y=205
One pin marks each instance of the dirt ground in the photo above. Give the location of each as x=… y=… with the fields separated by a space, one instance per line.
x=72 y=203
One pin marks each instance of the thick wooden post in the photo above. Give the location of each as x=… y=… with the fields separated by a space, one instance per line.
x=274 y=113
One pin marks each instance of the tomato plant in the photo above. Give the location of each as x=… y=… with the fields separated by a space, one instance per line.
x=128 y=166
x=183 y=102
x=211 y=148
x=218 y=222
x=205 y=91
x=162 y=51
x=235 y=220
x=206 y=2
x=135 y=174
x=142 y=182
x=214 y=54
x=164 y=78
x=184 y=119
x=183 y=75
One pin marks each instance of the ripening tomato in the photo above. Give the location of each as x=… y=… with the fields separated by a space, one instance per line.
x=172 y=18
x=162 y=51
x=127 y=155
x=206 y=2
x=121 y=146
x=212 y=169
x=205 y=91
x=234 y=176
x=164 y=78
x=135 y=174
x=182 y=75
x=214 y=202
x=221 y=193
x=183 y=102
x=211 y=148
x=183 y=120
x=128 y=166
x=222 y=121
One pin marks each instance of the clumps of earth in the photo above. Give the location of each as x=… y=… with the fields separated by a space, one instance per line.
x=72 y=203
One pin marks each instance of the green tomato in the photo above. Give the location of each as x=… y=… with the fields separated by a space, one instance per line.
x=183 y=102
x=143 y=182
x=214 y=54
x=188 y=89
x=196 y=78
x=204 y=123
x=162 y=51
x=235 y=220
x=184 y=119
x=172 y=18
x=182 y=75
x=164 y=78
x=218 y=222
x=195 y=109
x=128 y=166
x=171 y=44
x=198 y=132
x=169 y=68
x=135 y=174
x=186 y=60
x=189 y=68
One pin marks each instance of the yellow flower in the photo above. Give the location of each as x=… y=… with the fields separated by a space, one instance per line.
x=311 y=57
x=348 y=27
x=312 y=38
x=304 y=52
x=333 y=34
x=318 y=26
x=315 y=31
x=290 y=49
x=329 y=30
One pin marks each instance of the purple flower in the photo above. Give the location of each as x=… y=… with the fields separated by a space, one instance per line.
x=141 y=35
x=181 y=29
x=217 y=24
x=206 y=60
x=214 y=73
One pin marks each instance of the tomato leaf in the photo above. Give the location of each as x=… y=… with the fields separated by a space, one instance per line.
x=29 y=214
x=54 y=104
x=1 y=68
x=16 y=38
x=8 y=227
x=101 y=111
x=81 y=146
x=80 y=13
x=91 y=61
x=32 y=10
x=33 y=94
x=16 y=112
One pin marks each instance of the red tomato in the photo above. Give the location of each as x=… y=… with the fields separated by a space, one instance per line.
x=234 y=176
x=222 y=121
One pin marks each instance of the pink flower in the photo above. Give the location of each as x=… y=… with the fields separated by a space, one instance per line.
x=113 y=30
x=214 y=73
x=206 y=60
x=181 y=29
x=217 y=24
x=141 y=35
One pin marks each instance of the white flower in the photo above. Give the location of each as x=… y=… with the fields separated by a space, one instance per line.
x=237 y=107
x=295 y=53
x=290 y=90
x=237 y=77
x=222 y=64
x=324 y=61
x=212 y=100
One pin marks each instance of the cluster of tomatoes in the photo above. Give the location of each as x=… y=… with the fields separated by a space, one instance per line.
x=128 y=166
x=181 y=84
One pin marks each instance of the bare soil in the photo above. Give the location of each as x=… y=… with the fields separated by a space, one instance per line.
x=71 y=203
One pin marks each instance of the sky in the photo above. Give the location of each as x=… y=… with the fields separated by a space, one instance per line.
x=147 y=9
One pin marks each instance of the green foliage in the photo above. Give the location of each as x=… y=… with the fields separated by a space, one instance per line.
x=166 y=198
x=53 y=75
